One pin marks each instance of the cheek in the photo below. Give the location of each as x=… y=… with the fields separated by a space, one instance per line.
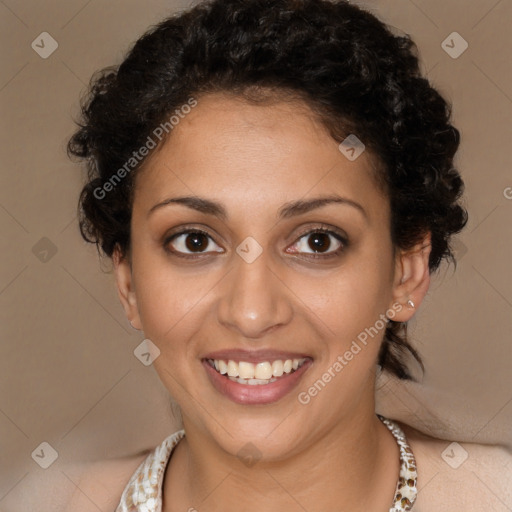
x=346 y=311
x=348 y=301
x=172 y=313
x=168 y=300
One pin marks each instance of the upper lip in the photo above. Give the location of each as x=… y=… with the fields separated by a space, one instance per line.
x=254 y=356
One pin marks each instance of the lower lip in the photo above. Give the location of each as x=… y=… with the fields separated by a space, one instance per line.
x=259 y=393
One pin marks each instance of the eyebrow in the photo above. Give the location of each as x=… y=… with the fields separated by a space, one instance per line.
x=287 y=211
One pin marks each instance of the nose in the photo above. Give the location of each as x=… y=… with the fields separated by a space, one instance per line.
x=254 y=299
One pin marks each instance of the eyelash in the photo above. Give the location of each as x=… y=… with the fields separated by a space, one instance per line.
x=338 y=236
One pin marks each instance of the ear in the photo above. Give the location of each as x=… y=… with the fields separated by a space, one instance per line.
x=412 y=279
x=125 y=287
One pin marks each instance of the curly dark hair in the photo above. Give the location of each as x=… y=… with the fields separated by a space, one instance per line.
x=347 y=65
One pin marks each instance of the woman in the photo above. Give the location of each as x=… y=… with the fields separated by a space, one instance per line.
x=274 y=182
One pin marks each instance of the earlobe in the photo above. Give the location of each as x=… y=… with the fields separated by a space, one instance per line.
x=412 y=278
x=125 y=287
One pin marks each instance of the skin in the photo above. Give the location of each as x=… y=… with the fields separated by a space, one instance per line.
x=332 y=453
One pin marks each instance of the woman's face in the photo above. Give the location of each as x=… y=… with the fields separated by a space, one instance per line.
x=252 y=288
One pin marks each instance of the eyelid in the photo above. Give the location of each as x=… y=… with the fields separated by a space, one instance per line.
x=186 y=230
x=320 y=228
x=325 y=228
x=339 y=235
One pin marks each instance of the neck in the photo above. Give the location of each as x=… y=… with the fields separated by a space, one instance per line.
x=354 y=466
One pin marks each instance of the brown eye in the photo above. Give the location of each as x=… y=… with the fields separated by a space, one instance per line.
x=320 y=242
x=189 y=242
x=196 y=242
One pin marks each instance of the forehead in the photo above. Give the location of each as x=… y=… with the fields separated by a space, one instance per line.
x=254 y=155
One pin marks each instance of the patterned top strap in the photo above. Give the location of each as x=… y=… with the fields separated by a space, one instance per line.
x=143 y=493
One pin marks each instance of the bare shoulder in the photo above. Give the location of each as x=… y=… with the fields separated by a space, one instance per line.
x=460 y=475
x=101 y=483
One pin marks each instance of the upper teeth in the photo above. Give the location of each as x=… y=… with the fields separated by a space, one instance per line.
x=262 y=370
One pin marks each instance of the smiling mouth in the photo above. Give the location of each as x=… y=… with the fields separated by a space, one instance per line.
x=256 y=374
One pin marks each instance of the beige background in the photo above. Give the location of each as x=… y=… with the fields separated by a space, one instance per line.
x=68 y=373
